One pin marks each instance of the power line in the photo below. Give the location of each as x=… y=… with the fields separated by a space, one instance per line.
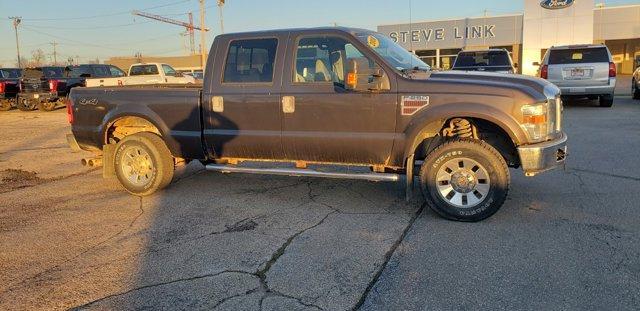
x=86 y=28
x=105 y=15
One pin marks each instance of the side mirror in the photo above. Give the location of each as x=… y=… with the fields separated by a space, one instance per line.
x=361 y=77
x=536 y=64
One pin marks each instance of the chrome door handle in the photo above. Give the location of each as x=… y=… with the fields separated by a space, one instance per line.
x=217 y=104
x=288 y=104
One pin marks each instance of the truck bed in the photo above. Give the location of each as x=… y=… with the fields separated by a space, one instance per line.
x=173 y=109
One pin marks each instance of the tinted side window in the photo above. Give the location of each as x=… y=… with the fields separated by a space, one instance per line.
x=578 y=56
x=116 y=72
x=144 y=70
x=326 y=59
x=168 y=70
x=100 y=71
x=250 y=61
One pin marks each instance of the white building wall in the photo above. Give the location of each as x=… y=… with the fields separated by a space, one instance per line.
x=543 y=28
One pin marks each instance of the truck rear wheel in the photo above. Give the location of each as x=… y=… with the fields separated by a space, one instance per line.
x=465 y=180
x=143 y=163
x=24 y=104
x=5 y=105
x=47 y=105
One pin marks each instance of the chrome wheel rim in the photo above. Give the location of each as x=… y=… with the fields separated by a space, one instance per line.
x=137 y=165
x=463 y=182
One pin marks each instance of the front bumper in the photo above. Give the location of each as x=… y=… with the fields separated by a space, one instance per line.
x=548 y=155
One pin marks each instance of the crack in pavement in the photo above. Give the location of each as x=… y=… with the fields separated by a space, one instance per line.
x=193 y=278
x=604 y=174
x=387 y=258
x=50 y=180
x=68 y=260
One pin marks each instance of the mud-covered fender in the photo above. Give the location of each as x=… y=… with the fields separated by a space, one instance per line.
x=144 y=112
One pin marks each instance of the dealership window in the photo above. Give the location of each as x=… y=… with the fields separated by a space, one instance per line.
x=442 y=59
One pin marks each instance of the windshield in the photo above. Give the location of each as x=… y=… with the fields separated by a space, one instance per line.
x=10 y=73
x=482 y=59
x=393 y=53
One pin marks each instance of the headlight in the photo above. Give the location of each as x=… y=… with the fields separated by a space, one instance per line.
x=535 y=122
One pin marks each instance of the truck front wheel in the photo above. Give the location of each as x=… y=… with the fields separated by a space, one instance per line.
x=465 y=180
x=143 y=163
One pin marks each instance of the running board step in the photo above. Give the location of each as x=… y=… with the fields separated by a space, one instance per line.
x=302 y=173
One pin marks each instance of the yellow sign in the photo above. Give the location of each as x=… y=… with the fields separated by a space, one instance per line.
x=373 y=42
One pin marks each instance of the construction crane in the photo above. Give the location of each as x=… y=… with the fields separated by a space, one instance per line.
x=189 y=26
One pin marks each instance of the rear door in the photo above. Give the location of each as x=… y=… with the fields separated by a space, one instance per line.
x=241 y=97
x=325 y=122
x=578 y=67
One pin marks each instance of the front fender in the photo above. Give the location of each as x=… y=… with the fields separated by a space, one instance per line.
x=428 y=122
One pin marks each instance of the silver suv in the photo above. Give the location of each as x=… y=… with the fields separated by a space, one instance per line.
x=581 y=71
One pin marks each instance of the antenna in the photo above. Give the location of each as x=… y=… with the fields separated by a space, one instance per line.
x=411 y=32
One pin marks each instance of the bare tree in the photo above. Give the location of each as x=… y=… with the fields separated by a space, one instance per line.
x=38 y=58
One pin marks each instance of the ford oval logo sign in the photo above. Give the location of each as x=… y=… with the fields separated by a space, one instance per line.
x=556 y=4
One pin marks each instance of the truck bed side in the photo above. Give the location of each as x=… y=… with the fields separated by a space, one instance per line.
x=174 y=111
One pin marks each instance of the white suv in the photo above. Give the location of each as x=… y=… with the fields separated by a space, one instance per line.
x=581 y=71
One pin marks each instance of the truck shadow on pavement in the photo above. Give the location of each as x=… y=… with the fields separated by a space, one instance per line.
x=262 y=242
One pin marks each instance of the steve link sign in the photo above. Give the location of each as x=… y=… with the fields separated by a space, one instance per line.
x=440 y=34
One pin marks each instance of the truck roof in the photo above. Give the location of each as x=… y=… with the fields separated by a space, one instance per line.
x=350 y=30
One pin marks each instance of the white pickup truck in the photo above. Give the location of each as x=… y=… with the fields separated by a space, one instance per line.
x=145 y=73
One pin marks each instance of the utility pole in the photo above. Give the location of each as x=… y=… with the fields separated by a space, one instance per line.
x=203 y=45
x=220 y=5
x=55 y=55
x=16 y=22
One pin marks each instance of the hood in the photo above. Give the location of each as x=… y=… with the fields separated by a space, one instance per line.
x=533 y=86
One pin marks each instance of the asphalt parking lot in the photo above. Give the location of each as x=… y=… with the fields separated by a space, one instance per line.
x=563 y=240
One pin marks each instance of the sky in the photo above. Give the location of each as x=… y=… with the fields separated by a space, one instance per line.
x=90 y=29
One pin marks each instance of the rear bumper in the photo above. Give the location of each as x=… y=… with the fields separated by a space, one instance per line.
x=537 y=158
x=609 y=89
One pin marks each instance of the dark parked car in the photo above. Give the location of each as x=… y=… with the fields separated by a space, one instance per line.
x=82 y=72
x=9 y=87
x=337 y=96
x=493 y=60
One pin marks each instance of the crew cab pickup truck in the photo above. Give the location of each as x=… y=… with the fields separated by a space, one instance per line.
x=43 y=88
x=9 y=87
x=145 y=73
x=329 y=98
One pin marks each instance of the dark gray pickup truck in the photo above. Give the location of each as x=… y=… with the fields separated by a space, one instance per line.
x=329 y=98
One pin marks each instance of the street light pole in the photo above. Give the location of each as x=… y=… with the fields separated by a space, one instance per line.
x=16 y=22
x=220 y=5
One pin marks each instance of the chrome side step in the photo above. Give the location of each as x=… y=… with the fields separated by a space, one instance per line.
x=302 y=173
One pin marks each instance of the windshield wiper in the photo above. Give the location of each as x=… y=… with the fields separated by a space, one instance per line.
x=409 y=71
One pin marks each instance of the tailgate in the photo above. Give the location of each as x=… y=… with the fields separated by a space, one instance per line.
x=586 y=74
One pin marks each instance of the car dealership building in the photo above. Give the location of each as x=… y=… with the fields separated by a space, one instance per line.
x=527 y=36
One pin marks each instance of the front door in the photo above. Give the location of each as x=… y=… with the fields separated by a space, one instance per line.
x=243 y=116
x=323 y=121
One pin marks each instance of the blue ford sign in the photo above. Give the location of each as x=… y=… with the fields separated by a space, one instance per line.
x=556 y=4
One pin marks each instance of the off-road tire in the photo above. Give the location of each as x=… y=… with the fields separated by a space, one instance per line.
x=489 y=159
x=5 y=105
x=635 y=91
x=47 y=106
x=606 y=101
x=24 y=104
x=160 y=157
